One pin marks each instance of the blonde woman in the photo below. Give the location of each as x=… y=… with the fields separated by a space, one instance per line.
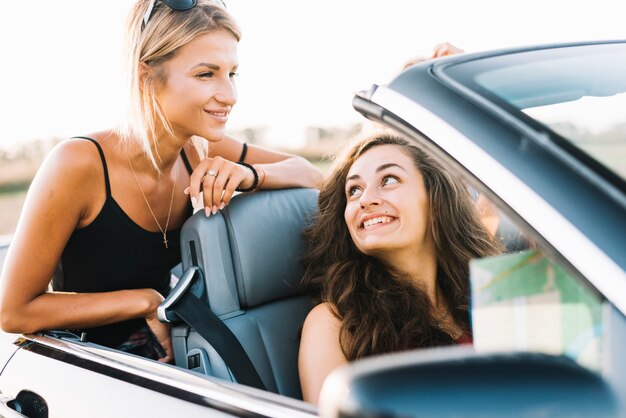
x=108 y=207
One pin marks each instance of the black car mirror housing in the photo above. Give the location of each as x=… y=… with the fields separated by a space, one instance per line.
x=456 y=381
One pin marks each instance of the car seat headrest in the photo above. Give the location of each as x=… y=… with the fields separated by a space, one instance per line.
x=266 y=243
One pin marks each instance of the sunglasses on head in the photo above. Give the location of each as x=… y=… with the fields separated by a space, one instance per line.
x=178 y=5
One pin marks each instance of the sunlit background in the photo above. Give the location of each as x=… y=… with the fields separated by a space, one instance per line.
x=300 y=63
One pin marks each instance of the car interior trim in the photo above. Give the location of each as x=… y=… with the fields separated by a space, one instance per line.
x=603 y=272
x=179 y=290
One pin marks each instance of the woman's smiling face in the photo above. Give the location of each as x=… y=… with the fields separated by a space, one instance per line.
x=387 y=209
x=199 y=91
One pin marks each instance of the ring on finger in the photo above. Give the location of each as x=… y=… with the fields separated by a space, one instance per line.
x=211 y=173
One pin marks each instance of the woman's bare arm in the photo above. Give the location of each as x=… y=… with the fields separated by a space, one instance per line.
x=320 y=351
x=282 y=170
x=61 y=195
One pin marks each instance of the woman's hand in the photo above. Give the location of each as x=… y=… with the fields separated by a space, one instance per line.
x=217 y=178
x=160 y=330
x=162 y=333
x=445 y=49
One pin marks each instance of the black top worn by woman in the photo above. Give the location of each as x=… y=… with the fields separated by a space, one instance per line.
x=114 y=253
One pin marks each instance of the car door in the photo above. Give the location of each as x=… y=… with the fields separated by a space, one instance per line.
x=44 y=381
x=60 y=377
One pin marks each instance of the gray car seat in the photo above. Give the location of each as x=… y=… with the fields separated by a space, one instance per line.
x=249 y=255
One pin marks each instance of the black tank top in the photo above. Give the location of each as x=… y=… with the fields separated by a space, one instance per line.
x=114 y=253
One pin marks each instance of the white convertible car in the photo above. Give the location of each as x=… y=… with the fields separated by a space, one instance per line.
x=539 y=133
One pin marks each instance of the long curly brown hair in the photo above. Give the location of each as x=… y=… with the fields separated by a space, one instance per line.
x=380 y=310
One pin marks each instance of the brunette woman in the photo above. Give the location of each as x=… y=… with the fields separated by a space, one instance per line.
x=388 y=259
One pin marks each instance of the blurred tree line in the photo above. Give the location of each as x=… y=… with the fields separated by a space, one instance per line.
x=19 y=164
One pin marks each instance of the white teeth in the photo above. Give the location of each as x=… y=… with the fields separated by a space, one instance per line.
x=374 y=221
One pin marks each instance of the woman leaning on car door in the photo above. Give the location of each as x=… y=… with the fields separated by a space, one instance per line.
x=108 y=207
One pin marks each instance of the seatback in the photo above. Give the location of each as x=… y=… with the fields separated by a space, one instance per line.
x=250 y=255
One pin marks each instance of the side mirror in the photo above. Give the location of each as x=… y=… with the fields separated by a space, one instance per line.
x=458 y=382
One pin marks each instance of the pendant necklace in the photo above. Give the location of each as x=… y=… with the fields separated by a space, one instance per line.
x=169 y=212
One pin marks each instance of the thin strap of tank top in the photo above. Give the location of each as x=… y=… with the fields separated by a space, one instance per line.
x=104 y=163
x=186 y=161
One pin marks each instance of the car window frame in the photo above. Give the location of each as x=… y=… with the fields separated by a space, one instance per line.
x=560 y=147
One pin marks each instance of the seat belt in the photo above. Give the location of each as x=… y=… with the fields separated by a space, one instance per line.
x=198 y=316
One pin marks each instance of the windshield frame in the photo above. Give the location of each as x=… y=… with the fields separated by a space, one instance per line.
x=460 y=74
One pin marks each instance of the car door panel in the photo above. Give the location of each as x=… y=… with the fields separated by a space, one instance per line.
x=72 y=376
x=7 y=348
x=79 y=391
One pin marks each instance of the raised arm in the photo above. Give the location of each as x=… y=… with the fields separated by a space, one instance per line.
x=320 y=352
x=66 y=190
x=276 y=170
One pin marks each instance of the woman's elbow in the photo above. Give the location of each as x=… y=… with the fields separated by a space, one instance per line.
x=12 y=321
x=8 y=322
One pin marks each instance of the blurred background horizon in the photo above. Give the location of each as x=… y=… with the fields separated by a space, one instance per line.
x=300 y=64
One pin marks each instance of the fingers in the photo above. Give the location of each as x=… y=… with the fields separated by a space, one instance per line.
x=197 y=178
x=219 y=191
x=229 y=191
x=161 y=332
x=203 y=179
x=212 y=186
x=218 y=180
x=445 y=49
x=169 y=351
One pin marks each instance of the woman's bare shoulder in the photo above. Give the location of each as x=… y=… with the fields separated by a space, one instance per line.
x=323 y=315
x=75 y=155
x=72 y=171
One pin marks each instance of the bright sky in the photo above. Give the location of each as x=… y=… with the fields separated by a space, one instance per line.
x=300 y=61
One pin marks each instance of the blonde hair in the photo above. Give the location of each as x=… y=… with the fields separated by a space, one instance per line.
x=166 y=32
